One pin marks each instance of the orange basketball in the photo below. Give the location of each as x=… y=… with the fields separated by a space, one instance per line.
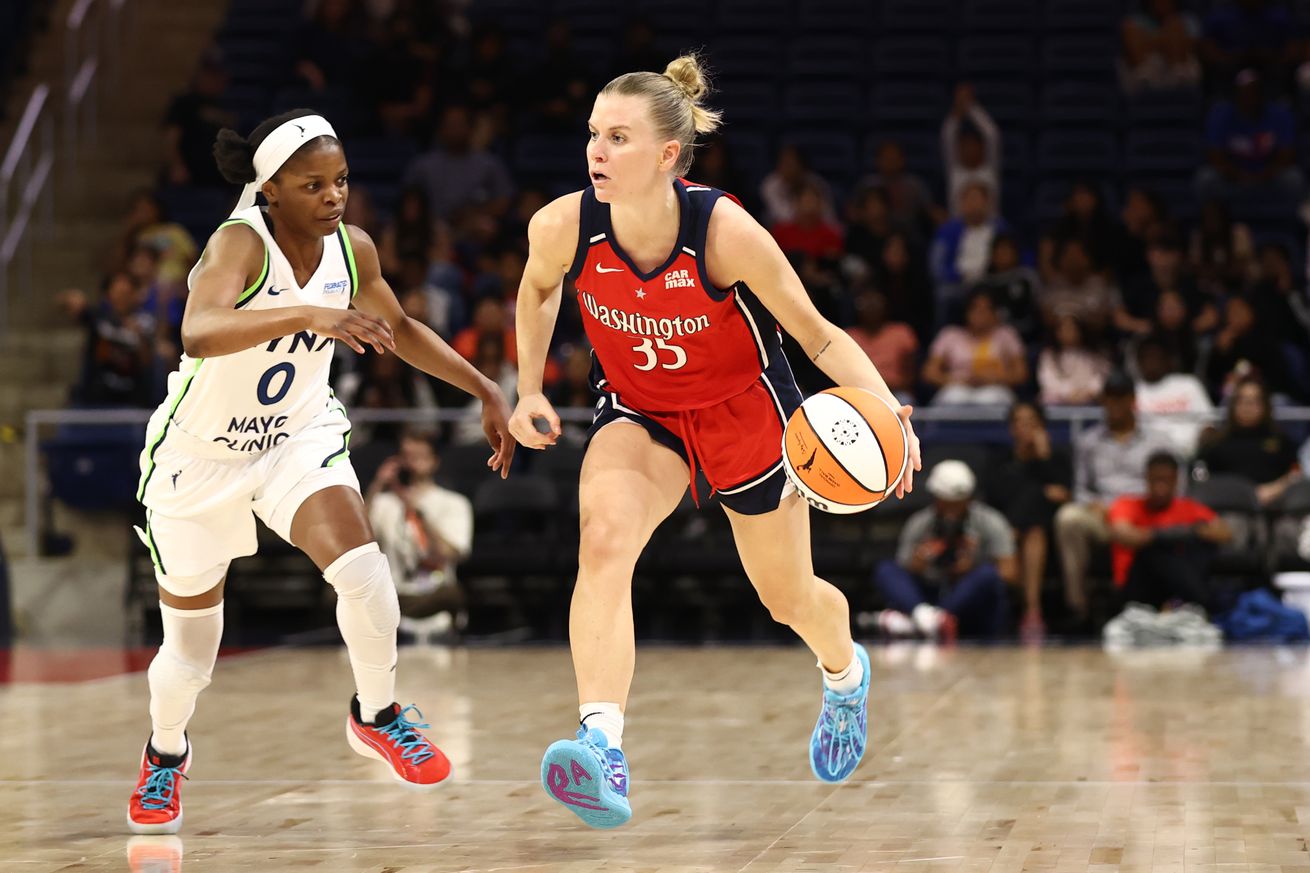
x=845 y=450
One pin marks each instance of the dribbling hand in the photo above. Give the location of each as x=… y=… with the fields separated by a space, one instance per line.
x=523 y=424
x=906 y=485
x=354 y=328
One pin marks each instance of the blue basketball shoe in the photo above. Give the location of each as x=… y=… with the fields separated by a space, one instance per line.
x=837 y=744
x=589 y=778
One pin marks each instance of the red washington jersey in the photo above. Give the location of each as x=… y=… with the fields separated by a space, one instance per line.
x=668 y=340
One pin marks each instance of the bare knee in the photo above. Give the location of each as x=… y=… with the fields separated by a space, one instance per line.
x=787 y=601
x=607 y=544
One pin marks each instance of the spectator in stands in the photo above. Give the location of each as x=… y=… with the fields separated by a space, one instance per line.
x=411 y=232
x=908 y=196
x=491 y=78
x=891 y=345
x=1159 y=49
x=1143 y=307
x=782 y=189
x=493 y=360
x=384 y=382
x=1173 y=402
x=443 y=308
x=809 y=233
x=425 y=531
x=1109 y=461
x=491 y=319
x=1068 y=371
x=1282 y=312
x=1014 y=286
x=192 y=123
x=957 y=554
x=1222 y=253
x=979 y=363
x=563 y=92
x=395 y=81
x=638 y=51
x=1248 y=34
x=165 y=301
x=1161 y=544
x=1142 y=212
x=1084 y=219
x=971 y=149
x=456 y=174
x=715 y=167
x=361 y=211
x=574 y=391
x=1250 y=445
x=962 y=247
x=1028 y=487
x=148 y=225
x=1240 y=350
x=902 y=275
x=332 y=46
x=1077 y=291
x=118 y=363
x=869 y=228
x=1251 y=144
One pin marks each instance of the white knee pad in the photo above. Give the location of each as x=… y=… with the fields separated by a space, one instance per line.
x=363 y=575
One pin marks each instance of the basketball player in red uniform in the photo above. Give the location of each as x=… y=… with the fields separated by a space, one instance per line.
x=682 y=293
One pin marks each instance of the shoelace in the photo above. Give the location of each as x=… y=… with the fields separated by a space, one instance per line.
x=842 y=719
x=157 y=792
x=404 y=734
x=615 y=763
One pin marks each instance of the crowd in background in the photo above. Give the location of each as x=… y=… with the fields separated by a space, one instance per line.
x=1181 y=308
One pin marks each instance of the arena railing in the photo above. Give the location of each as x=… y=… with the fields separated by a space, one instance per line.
x=1075 y=417
x=24 y=174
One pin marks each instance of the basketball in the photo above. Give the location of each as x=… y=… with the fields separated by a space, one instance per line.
x=845 y=450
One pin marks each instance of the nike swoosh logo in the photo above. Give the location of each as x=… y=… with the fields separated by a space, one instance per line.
x=600 y=269
x=273 y=292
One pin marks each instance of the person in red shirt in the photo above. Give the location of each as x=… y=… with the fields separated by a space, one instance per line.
x=1161 y=543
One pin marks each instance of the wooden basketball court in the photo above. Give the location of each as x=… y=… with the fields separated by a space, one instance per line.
x=996 y=760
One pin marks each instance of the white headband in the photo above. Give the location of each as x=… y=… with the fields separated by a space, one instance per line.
x=277 y=147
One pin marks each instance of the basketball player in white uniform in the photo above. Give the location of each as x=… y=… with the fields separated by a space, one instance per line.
x=250 y=427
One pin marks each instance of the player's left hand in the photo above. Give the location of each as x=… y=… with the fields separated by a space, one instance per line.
x=906 y=485
x=495 y=424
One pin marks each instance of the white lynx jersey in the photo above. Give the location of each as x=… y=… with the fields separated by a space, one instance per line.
x=247 y=402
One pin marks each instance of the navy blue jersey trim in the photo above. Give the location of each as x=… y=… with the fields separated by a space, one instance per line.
x=587 y=223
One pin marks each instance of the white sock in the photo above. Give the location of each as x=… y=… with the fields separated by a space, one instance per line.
x=368 y=612
x=605 y=717
x=180 y=671
x=845 y=681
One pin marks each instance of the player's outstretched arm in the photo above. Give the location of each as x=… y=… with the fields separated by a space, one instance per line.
x=552 y=243
x=212 y=326
x=740 y=250
x=420 y=347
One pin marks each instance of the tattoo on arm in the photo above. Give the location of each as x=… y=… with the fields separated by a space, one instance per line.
x=821 y=351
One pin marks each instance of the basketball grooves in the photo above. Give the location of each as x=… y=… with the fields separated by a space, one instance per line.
x=835 y=460
x=882 y=450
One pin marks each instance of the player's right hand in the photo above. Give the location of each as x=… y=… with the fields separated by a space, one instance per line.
x=352 y=327
x=523 y=423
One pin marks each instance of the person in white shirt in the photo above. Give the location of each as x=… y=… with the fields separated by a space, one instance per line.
x=424 y=530
x=1174 y=403
x=971 y=148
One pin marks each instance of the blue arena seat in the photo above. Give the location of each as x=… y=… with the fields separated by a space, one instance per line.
x=996 y=56
x=752 y=153
x=1165 y=152
x=1082 y=15
x=828 y=56
x=1002 y=16
x=1009 y=102
x=833 y=155
x=754 y=57
x=834 y=103
x=747 y=101
x=1068 y=152
x=917 y=15
x=1080 y=55
x=912 y=56
x=381 y=158
x=1181 y=108
x=853 y=17
x=754 y=16
x=1080 y=103
x=896 y=103
x=590 y=16
x=548 y=154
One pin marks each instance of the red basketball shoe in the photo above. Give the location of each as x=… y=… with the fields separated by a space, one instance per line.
x=156 y=805
x=397 y=742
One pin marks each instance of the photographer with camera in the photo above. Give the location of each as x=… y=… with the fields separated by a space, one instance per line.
x=1161 y=544
x=424 y=530
x=958 y=554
